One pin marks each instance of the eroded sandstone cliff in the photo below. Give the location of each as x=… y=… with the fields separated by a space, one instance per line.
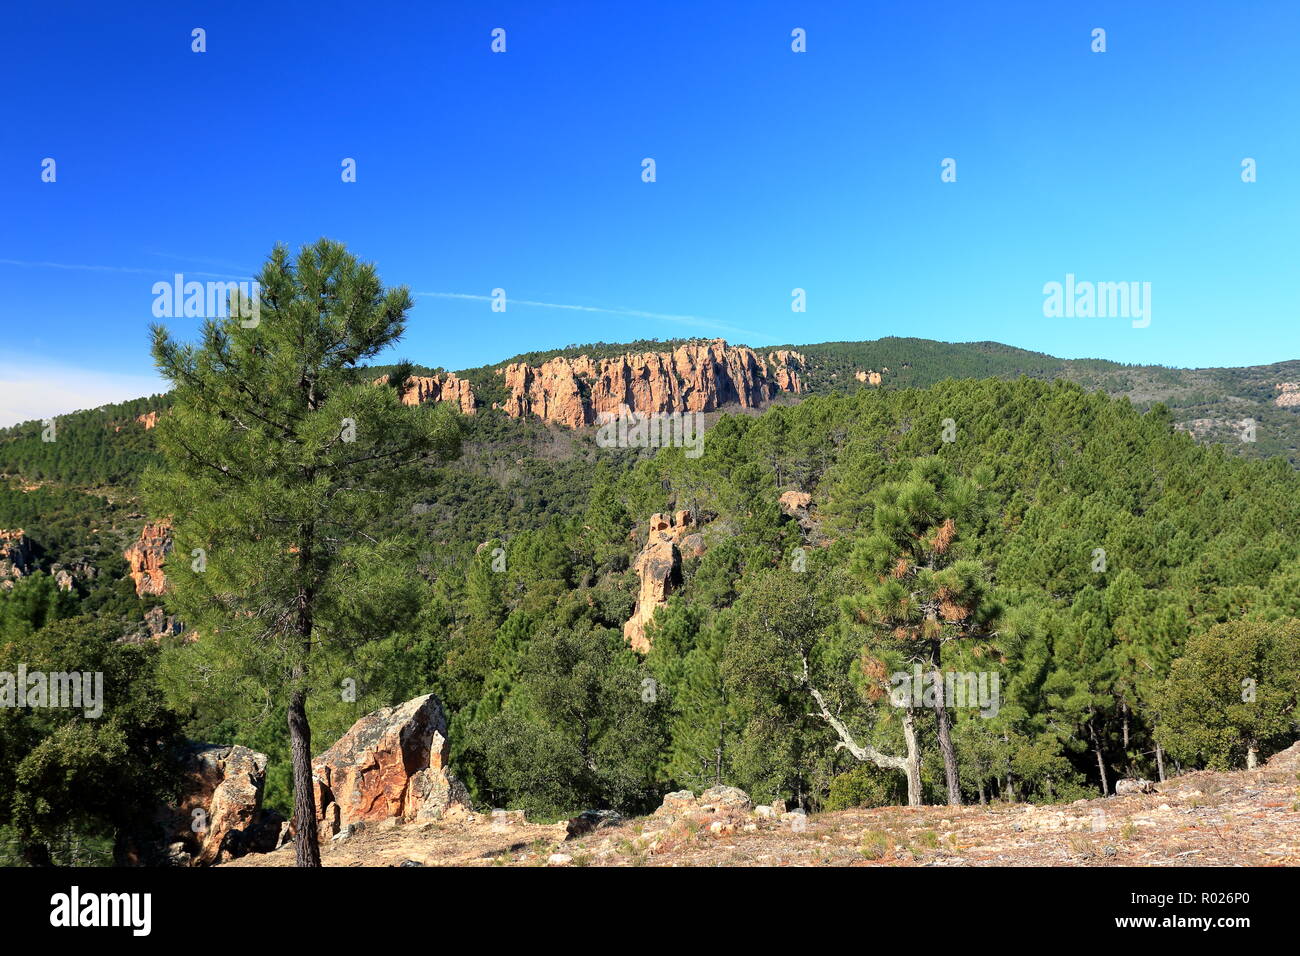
x=145 y=558
x=695 y=377
x=421 y=389
x=15 y=556
x=659 y=567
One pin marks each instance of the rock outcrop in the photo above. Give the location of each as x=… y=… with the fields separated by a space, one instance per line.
x=422 y=389
x=659 y=566
x=148 y=419
x=146 y=556
x=391 y=764
x=1286 y=760
x=695 y=377
x=869 y=377
x=16 y=558
x=220 y=816
x=1288 y=394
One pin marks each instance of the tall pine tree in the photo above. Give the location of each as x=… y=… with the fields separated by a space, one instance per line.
x=280 y=455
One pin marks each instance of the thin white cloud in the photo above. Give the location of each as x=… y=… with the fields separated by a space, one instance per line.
x=38 y=391
x=693 y=320
x=122 y=269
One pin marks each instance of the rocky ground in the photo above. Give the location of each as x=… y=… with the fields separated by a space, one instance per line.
x=1244 y=818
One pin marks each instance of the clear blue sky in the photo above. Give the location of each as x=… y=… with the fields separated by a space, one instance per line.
x=775 y=170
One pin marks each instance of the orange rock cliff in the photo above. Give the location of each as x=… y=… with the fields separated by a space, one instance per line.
x=145 y=558
x=695 y=377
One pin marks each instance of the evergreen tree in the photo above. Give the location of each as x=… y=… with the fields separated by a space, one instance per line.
x=280 y=460
x=919 y=595
x=1233 y=694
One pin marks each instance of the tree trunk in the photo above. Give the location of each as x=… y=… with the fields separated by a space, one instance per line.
x=1101 y=764
x=306 y=842
x=1160 y=762
x=1252 y=754
x=910 y=765
x=945 y=737
x=913 y=762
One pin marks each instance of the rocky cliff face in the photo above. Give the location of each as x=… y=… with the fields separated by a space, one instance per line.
x=695 y=377
x=16 y=558
x=421 y=389
x=148 y=420
x=145 y=558
x=659 y=566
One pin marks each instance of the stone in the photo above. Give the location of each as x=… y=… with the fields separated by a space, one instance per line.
x=1133 y=785
x=659 y=569
x=1285 y=760
x=146 y=556
x=219 y=815
x=16 y=557
x=392 y=763
x=725 y=800
x=589 y=821
x=676 y=803
x=559 y=859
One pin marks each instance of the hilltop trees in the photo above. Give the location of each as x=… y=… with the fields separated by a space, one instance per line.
x=281 y=461
x=1234 y=694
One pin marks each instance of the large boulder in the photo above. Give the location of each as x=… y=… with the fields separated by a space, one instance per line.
x=391 y=764
x=1285 y=760
x=219 y=815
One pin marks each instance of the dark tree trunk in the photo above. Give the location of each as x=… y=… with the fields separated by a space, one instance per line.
x=945 y=736
x=306 y=842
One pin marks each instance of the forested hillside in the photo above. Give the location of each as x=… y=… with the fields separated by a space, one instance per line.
x=1079 y=548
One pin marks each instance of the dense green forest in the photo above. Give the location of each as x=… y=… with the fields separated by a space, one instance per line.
x=1082 y=549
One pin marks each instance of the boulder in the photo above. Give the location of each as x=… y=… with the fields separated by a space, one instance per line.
x=730 y=803
x=1132 y=785
x=1286 y=760
x=219 y=816
x=589 y=821
x=392 y=763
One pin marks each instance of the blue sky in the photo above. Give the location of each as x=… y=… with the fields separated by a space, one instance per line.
x=775 y=170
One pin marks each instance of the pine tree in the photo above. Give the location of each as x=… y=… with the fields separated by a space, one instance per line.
x=918 y=594
x=280 y=458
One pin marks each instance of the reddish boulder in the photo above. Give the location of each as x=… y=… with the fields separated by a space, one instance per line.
x=220 y=816
x=392 y=763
